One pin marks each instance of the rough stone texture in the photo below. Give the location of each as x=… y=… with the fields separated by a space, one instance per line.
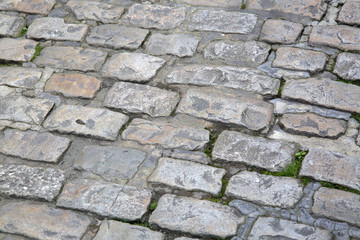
x=348 y=66
x=117 y=36
x=332 y=167
x=73 y=85
x=11 y=26
x=26 y=110
x=222 y=21
x=284 y=106
x=310 y=124
x=42 y=222
x=106 y=199
x=345 y=144
x=231 y=107
x=17 y=50
x=187 y=175
x=136 y=67
x=112 y=230
x=32 y=145
x=239 y=53
x=155 y=16
x=197 y=217
x=282 y=192
x=255 y=151
x=4 y=236
x=181 y=45
x=339 y=36
x=274 y=228
x=97 y=11
x=299 y=59
x=6 y=91
x=213 y=3
x=247 y=79
x=349 y=13
x=31 y=182
x=56 y=29
x=250 y=209
x=280 y=31
x=42 y=7
x=114 y=164
x=338 y=205
x=72 y=58
x=137 y=98
x=198 y=157
x=88 y=121
x=314 y=9
x=165 y=134
x=20 y=77
x=324 y=92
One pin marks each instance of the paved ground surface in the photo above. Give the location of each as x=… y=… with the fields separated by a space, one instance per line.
x=184 y=119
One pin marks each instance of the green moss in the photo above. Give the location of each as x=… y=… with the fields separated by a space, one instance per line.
x=282 y=83
x=209 y=148
x=222 y=192
x=293 y=169
x=336 y=186
x=38 y=49
x=305 y=180
x=356 y=117
x=142 y=224
x=243 y=6
x=23 y=32
x=357 y=83
x=153 y=205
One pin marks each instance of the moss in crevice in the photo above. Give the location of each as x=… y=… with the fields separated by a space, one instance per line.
x=22 y=32
x=243 y=6
x=212 y=140
x=339 y=187
x=38 y=49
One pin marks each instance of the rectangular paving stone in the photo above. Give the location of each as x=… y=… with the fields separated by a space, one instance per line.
x=338 y=36
x=213 y=3
x=227 y=106
x=324 y=92
x=17 y=50
x=222 y=21
x=32 y=145
x=26 y=110
x=111 y=230
x=97 y=11
x=42 y=222
x=275 y=228
x=348 y=66
x=30 y=182
x=106 y=199
x=338 y=205
x=181 y=45
x=309 y=124
x=155 y=16
x=193 y=156
x=187 y=176
x=73 y=85
x=282 y=192
x=194 y=216
x=299 y=59
x=117 y=36
x=137 y=98
x=332 y=167
x=280 y=31
x=166 y=135
x=314 y=9
x=112 y=163
x=72 y=58
x=87 y=121
x=135 y=67
x=42 y=7
x=273 y=155
x=251 y=54
x=21 y=77
x=56 y=29
x=349 y=13
x=284 y=106
x=242 y=78
x=10 y=25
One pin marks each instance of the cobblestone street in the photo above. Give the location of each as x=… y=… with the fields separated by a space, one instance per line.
x=180 y=119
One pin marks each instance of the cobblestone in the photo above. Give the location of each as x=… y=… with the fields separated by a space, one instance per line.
x=280 y=31
x=20 y=77
x=34 y=7
x=10 y=25
x=17 y=50
x=348 y=66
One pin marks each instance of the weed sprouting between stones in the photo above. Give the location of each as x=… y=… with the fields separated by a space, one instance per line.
x=38 y=49
x=336 y=186
x=222 y=192
x=213 y=137
x=293 y=169
x=23 y=32
x=243 y=6
x=357 y=83
x=356 y=117
x=153 y=205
